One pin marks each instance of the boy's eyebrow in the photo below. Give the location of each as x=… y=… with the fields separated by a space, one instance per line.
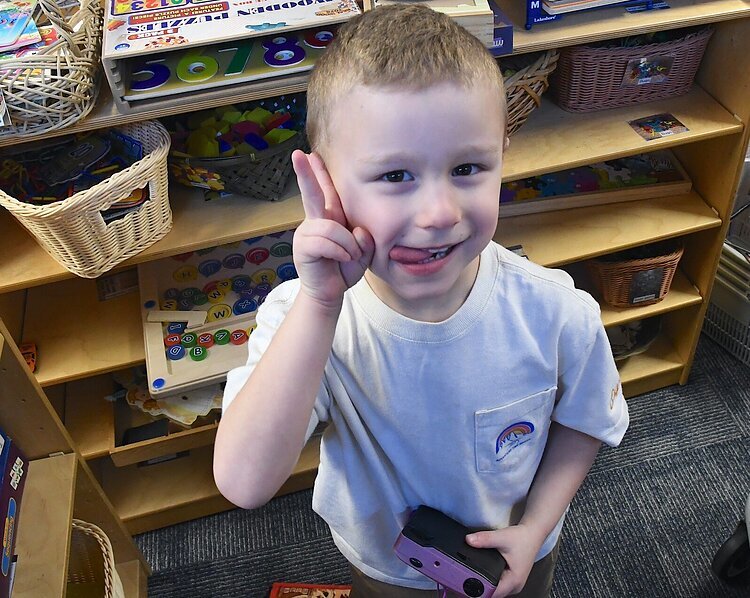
x=398 y=157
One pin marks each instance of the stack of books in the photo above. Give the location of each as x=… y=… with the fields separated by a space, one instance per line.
x=19 y=34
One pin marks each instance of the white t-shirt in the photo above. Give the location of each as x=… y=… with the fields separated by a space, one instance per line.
x=454 y=414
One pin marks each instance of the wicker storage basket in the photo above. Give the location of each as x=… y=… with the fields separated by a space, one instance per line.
x=59 y=85
x=591 y=78
x=262 y=175
x=91 y=570
x=624 y=280
x=73 y=231
x=525 y=85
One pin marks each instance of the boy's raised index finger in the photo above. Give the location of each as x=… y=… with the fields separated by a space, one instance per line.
x=333 y=208
x=313 y=198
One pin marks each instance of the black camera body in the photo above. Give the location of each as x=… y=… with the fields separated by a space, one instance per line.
x=434 y=544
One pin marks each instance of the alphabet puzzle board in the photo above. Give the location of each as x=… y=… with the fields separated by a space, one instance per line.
x=198 y=309
x=156 y=53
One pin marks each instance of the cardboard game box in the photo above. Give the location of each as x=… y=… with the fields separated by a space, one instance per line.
x=13 y=467
x=161 y=53
x=304 y=590
x=502 y=43
x=474 y=15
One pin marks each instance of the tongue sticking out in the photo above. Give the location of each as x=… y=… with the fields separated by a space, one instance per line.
x=409 y=255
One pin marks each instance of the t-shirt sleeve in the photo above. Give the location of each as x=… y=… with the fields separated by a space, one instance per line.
x=268 y=319
x=589 y=392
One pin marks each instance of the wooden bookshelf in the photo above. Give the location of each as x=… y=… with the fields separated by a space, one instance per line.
x=81 y=340
x=59 y=487
x=557 y=238
x=573 y=29
x=163 y=494
x=606 y=23
x=542 y=145
x=553 y=139
x=44 y=527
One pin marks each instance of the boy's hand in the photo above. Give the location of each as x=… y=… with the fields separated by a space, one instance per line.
x=518 y=547
x=329 y=258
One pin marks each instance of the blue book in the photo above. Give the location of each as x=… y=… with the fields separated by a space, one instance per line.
x=13 y=468
x=14 y=18
x=503 y=31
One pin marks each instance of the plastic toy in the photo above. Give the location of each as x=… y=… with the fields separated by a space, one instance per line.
x=28 y=350
x=74 y=164
x=621 y=179
x=227 y=131
x=198 y=309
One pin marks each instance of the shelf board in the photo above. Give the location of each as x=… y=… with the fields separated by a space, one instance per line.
x=89 y=417
x=553 y=139
x=43 y=544
x=183 y=440
x=556 y=238
x=657 y=367
x=542 y=145
x=606 y=23
x=681 y=294
x=164 y=494
x=196 y=224
x=79 y=336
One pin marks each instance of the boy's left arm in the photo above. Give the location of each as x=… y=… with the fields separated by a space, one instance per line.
x=568 y=456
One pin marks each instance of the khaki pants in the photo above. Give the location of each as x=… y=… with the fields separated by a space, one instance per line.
x=538 y=585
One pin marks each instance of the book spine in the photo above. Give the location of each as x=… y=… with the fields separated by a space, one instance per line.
x=15 y=467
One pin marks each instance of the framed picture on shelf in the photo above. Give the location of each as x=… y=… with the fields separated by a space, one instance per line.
x=642 y=176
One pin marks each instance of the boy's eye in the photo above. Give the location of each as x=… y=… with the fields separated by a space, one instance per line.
x=465 y=170
x=397 y=176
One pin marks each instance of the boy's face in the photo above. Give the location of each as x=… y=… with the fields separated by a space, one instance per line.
x=421 y=171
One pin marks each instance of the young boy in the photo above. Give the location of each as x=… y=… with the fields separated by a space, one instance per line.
x=450 y=371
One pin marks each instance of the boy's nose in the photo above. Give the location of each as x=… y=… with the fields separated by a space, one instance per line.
x=438 y=208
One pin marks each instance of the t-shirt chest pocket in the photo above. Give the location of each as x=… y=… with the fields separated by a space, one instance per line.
x=511 y=438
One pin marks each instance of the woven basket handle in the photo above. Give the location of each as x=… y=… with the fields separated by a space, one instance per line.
x=59 y=22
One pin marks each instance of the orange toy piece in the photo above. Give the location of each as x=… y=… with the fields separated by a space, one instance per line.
x=28 y=350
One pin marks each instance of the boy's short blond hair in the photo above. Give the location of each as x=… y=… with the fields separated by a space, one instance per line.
x=398 y=46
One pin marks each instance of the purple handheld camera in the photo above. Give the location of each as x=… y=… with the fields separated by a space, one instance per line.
x=434 y=545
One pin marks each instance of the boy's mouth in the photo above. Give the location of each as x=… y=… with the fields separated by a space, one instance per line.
x=414 y=255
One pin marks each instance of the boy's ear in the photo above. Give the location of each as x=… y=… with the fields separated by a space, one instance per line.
x=506 y=144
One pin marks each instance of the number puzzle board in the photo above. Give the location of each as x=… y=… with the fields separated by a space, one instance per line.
x=145 y=31
x=226 y=285
x=245 y=60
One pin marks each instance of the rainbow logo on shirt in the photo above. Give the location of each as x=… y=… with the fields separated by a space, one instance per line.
x=512 y=437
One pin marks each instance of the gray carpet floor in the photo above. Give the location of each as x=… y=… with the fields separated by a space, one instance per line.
x=646 y=523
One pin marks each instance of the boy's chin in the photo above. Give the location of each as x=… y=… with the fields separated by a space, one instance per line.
x=414 y=293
